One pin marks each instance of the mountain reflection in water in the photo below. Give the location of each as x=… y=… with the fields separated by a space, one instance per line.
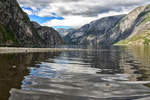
x=115 y=73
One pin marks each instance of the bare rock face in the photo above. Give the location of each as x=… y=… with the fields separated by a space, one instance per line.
x=92 y=33
x=133 y=28
x=110 y=30
x=16 y=28
x=125 y=28
x=47 y=34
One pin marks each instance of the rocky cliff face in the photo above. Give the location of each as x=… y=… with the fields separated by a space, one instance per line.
x=92 y=33
x=16 y=28
x=47 y=34
x=134 y=26
x=139 y=32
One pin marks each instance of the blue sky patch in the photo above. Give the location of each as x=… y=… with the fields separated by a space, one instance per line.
x=41 y=20
x=45 y=19
x=27 y=8
x=65 y=27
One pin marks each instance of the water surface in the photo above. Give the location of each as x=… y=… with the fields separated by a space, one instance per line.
x=112 y=73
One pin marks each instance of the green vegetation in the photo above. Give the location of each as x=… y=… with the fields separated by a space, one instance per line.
x=147 y=18
x=142 y=38
x=122 y=42
x=147 y=85
x=26 y=18
x=138 y=37
x=145 y=14
x=146 y=41
x=7 y=34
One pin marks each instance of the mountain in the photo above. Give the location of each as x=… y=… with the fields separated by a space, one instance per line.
x=92 y=32
x=16 y=28
x=133 y=28
x=47 y=34
x=63 y=32
x=137 y=32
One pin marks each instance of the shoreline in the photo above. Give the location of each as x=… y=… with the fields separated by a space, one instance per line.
x=32 y=50
x=38 y=50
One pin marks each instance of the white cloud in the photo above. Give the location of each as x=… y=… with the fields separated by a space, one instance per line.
x=28 y=11
x=77 y=21
x=79 y=12
x=74 y=21
x=87 y=7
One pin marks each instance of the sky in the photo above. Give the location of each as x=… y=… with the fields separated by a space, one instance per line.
x=75 y=13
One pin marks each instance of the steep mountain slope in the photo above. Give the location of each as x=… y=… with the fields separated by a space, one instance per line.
x=131 y=28
x=47 y=34
x=140 y=33
x=16 y=28
x=92 y=32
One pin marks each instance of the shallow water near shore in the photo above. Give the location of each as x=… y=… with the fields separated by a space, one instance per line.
x=112 y=73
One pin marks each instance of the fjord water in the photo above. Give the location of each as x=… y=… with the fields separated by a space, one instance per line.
x=111 y=73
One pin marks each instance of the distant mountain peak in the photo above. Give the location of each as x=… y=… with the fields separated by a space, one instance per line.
x=63 y=32
x=112 y=29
